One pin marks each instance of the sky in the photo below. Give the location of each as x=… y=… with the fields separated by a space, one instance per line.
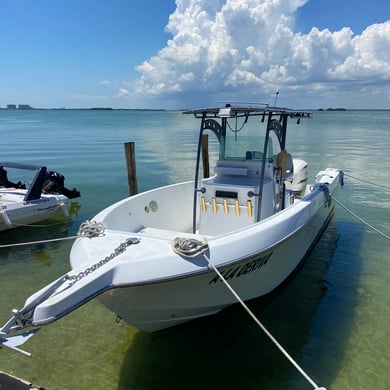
x=194 y=53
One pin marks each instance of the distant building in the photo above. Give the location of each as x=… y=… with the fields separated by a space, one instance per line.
x=19 y=107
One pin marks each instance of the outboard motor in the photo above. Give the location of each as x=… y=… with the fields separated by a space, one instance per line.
x=298 y=180
x=54 y=183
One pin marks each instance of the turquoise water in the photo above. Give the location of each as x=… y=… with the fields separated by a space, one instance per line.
x=332 y=318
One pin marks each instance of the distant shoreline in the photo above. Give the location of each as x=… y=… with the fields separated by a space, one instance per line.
x=332 y=109
x=86 y=109
x=168 y=110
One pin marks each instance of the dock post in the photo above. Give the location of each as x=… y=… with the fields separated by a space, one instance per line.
x=131 y=167
x=205 y=155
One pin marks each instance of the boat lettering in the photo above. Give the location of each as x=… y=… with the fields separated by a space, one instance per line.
x=35 y=201
x=236 y=272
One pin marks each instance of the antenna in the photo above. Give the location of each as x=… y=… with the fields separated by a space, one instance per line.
x=276 y=96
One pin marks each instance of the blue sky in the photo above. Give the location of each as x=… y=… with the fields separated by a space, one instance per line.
x=192 y=53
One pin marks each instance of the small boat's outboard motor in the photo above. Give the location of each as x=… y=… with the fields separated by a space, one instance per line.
x=54 y=183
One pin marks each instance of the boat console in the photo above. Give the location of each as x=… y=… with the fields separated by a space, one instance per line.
x=229 y=199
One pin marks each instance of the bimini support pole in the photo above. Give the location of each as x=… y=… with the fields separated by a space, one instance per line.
x=262 y=172
x=197 y=172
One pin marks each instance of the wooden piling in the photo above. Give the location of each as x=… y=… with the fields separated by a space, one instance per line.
x=205 y=155
x=131 y=167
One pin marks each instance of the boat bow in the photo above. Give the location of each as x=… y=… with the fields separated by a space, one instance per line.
x=61 y=297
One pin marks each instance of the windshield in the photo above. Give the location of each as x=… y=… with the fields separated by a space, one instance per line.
x=237 y=147
x=241 y=146
x=245 y=141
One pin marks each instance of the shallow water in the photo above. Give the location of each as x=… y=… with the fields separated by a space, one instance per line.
x=332 y=318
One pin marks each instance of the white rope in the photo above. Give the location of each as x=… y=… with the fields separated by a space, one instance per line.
x=91 y=229
x=37 y=226
x=263 y=328
x=38 y=242
x=188 y=247
x=366 y=181
x=87 y=229
x=360 y=219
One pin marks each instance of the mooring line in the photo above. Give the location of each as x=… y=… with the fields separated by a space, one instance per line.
x=38 y=226
x=87 y=229
x=38 y=242
x=366 y=181
x=361 y=219
x=263 y=328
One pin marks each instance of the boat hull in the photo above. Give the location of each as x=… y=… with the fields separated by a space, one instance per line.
x=161 y=304
x=15 y=211
x=143 y=278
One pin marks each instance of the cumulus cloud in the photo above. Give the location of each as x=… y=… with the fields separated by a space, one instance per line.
x=123 y=92
x=370 y=56
x=249 y=48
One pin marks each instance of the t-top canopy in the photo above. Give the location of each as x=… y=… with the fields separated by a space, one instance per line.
x=230 y=111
